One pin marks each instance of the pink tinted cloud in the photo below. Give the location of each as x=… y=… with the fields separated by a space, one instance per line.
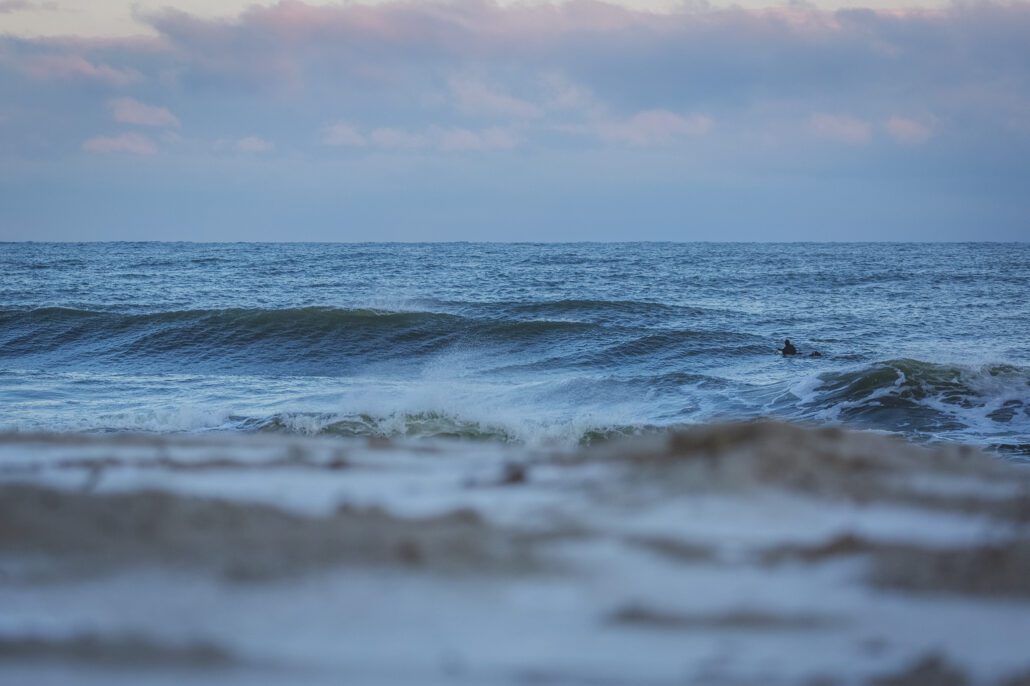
x=76 y=67
x=130 y=111
x=131 y=143
x=840 y=128
x=651 y=127
x=455 y=24
x=908 y=131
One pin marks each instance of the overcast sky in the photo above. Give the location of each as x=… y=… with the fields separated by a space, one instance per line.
x=476 y=120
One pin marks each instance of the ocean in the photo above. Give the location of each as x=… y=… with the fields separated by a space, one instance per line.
x=524 y=343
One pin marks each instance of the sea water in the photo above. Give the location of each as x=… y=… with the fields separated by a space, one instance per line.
x=524 y=343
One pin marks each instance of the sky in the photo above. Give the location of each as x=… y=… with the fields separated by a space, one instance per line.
x=526 y=121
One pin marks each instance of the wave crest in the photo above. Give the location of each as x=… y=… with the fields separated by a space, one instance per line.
x=301 y=340
x=914 y=396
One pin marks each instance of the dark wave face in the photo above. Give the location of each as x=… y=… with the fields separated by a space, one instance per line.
x=571 y=343
x=333 y=342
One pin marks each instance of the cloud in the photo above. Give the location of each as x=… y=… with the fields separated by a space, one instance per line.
x=398 y=139
x=475 y=97
x=508 y=94
x=547 y=105
x=437 y=138
x=131 y=143
x=719 y=52
x=75 y=67
x=130 y=111
x=841 y=128
x=624 y=74
x=253 y=144
x=465 y=140
x=343 y=134
x=653 y=127
x=11 y=6
x=247 y=145
x=485 y=60
x=908 y=131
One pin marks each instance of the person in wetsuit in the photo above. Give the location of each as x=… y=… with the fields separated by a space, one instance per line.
x=788 y=348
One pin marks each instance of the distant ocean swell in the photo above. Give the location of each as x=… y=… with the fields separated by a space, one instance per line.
x=328 y=341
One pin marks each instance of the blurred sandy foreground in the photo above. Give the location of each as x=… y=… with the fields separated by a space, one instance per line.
x=738 y=554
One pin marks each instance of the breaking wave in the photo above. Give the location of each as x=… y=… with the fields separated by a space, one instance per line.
x=441 y=425
x=925 y=399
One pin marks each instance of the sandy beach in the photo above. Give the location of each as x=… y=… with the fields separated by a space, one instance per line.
x=757 y=553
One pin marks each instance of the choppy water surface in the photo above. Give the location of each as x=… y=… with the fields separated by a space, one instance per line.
x=570 y=343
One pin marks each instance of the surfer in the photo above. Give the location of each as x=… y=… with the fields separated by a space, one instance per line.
x=788 y=348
